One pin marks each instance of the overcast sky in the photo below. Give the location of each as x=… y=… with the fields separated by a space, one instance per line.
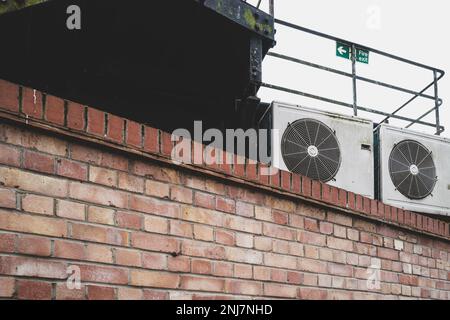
x=413 y=29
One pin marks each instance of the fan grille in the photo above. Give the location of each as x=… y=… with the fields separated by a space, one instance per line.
x=310 y=148
x=412 y=169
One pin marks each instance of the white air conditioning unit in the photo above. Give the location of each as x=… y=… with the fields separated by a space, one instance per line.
x=328 y=147
x=413 y=170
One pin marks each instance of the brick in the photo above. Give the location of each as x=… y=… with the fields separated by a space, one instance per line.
x=244 y=255
x=32 y=224
x=156 y=224
x=203 y=216
x=263 y=243
x=7 y=199
x=204 y=200
x=38 y=204
x=134 y=134
x=314 y=266
x=8 y=242
x=225 y=205
x=75 y=116
x=7 y=285
x=151 y=139
x=225 y=237
x=244 y=240
x=95 y=122
x=99 y=234
x=296 y=221
x=9 y=155
x=279 y=232
x=129 y=220
x=281 y=246
x=339 y=219
x=116 y=128
x=279 y=291
x=243 y=287
x=340 y=269
x=71 y=169
x=34 y=246
x=386 y=253
x=326 y=228
x=100 y=293
x=203 y=232
x=98 y=253
x=340 y=232
x=154 y=279
x=128 y=257
x=101 y=215
x=311 y=238
x=68 y=250
x=155 y=295
x=71 y=210
x=130 y=183
x=261 y=273
x=64 y=293
x=103 y=176
x=98 y=195
x=129 y=294
x=280 y=217
x=201 y=266
x=181 y=229
x=243 y=271
x=312 y=294
x=34 y=290
x=244 y=209
x=179 y=264
x=32 y=103
x=154 y=206
x=38 y=162
x=155 y=242
x=166 y=143
x=101 y=274
x=32 y=267
x=286 y=180
x=9 y=96
x=33 y=182
x=280 y=261
x=181 y=194
x=311 y=225
x=54 y=110
x=157 y=189
x=202 y=284
x=340 y=244
x=154 y=261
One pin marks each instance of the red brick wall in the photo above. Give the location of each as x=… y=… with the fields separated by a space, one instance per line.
x=73 y=192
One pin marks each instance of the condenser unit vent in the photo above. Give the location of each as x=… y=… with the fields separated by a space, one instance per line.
x=412 y=169
x=311 y=148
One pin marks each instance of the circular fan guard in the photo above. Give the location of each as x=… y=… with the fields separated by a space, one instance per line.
x=412 y=169
x=311 y=148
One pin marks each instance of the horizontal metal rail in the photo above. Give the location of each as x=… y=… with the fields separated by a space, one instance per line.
x=348 y=105
x=437 y=73
x=346 y=74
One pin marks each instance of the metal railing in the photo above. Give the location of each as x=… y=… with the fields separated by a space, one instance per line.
x=437 y=75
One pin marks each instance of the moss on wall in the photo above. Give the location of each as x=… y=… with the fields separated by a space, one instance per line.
x=13 y=5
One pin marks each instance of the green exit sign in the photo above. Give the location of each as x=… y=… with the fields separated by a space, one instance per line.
x=345 y=51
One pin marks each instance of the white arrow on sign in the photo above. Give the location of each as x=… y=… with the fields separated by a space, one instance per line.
x=341 y=50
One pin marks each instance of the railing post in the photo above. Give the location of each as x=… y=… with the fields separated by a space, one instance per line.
x=437 y=104
x=272 y=7
x=355 y=97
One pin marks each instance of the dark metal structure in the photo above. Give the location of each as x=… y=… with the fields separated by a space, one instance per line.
x=166 y=63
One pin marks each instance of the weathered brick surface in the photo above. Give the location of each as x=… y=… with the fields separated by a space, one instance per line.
x=147 y=229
